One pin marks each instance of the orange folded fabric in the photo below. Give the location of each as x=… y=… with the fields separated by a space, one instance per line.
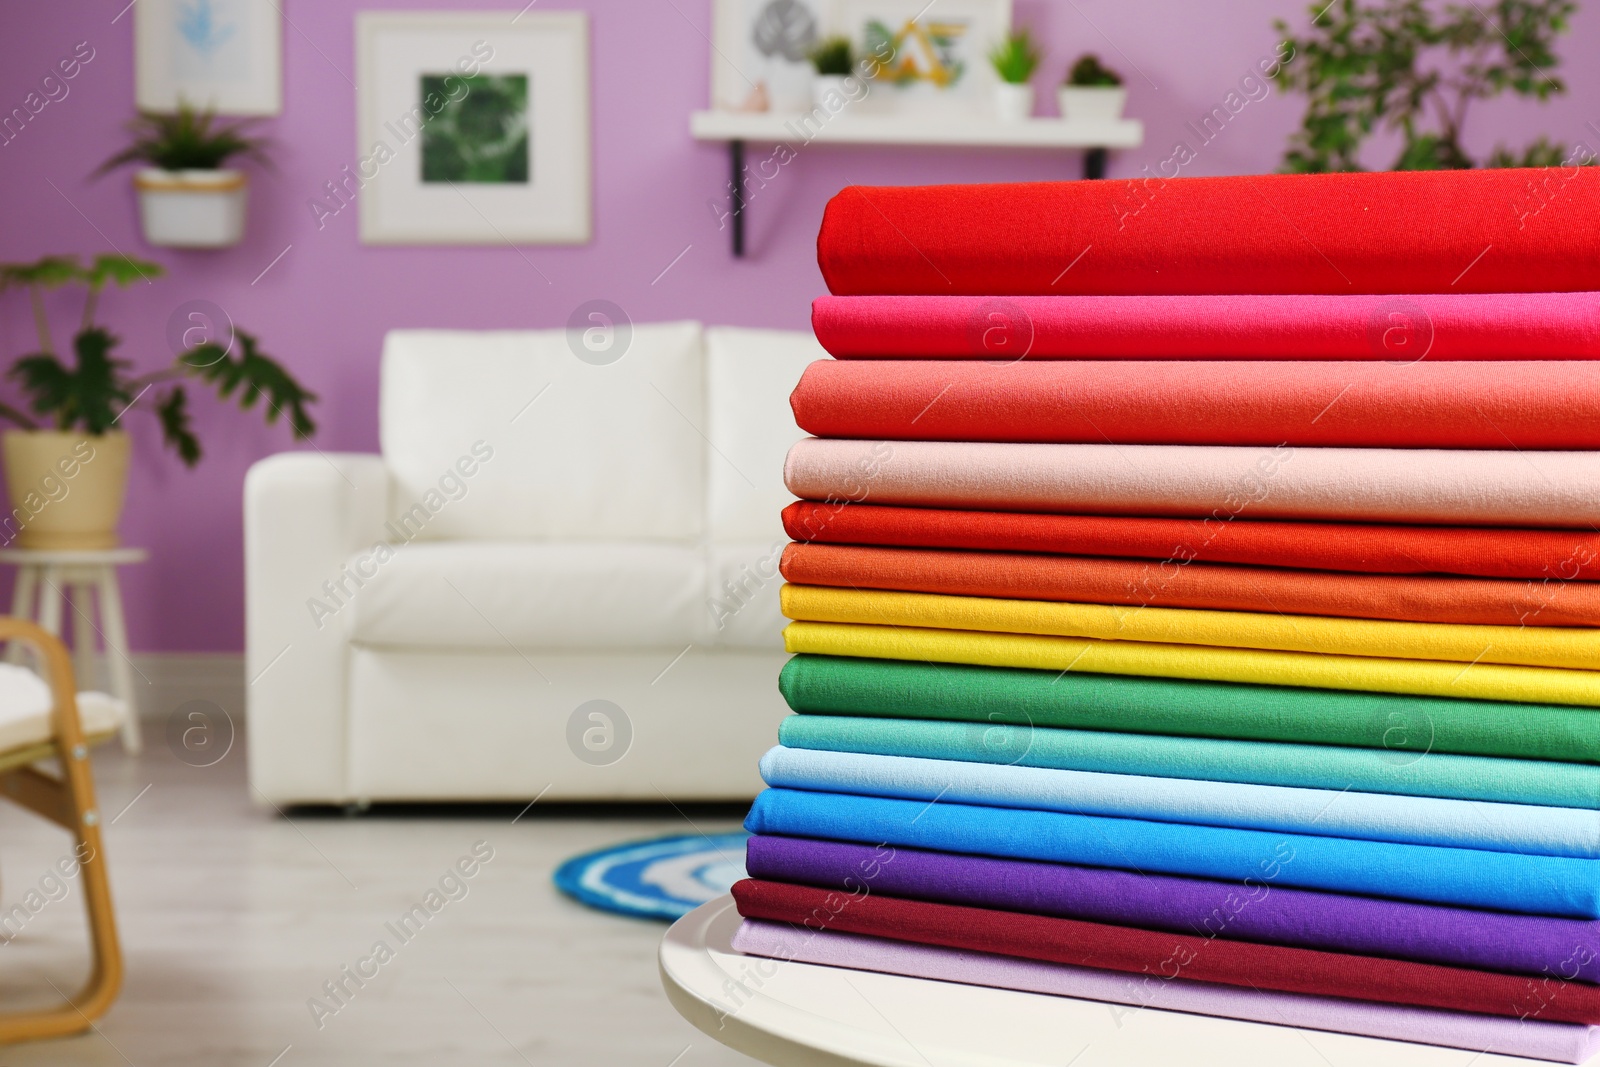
x=1143 y=583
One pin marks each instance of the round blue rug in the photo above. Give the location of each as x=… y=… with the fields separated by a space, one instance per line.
x=663 y=878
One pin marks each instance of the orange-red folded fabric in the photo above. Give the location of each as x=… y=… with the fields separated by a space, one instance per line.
x=1463 y=231
x=1534 y=405
x=1548 y=558
x=1221 y=586
x=1164 y=955
x=1435 y=326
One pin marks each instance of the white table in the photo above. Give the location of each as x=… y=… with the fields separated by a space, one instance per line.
x=801 y=1015
x=90 y=575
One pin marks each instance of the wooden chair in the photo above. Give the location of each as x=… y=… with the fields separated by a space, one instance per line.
x=68 y=800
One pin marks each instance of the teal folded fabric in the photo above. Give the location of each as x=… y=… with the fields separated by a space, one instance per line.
x=1512 y=781
x=1506 y=881
x=1525 y=828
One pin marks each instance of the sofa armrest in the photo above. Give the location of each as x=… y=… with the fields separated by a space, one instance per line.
x=305 y=514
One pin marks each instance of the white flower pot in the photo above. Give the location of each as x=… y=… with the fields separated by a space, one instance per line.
x=1091 y=102
x=1013 y=103
x=829 y=91
x=191 y=208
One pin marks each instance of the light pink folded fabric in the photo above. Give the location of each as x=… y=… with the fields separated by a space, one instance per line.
x=1560 y=1042
x=1435 y=486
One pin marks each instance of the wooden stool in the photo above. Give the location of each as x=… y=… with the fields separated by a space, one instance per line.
x=47 y=574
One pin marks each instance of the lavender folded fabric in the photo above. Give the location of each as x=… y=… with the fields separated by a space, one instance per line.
x=1261 y=911
x=1558 y=1042
x=1408 y=485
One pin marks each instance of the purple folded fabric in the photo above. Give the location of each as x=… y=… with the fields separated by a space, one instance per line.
x=1263 y=912
x=1560 y=1042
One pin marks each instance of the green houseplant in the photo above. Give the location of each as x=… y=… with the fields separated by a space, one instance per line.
x=187 y=197
x=1413 y=69
x=1091 y=91
x=833 y=60
x=1014 y=60
x=66 y=463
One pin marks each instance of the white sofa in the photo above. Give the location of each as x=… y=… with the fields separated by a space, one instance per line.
x=539 y=532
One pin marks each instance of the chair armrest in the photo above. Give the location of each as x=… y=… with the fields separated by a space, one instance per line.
x=305 y=514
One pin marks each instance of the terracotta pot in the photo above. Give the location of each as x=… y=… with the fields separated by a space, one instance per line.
x=66 y=488
x=192 y=208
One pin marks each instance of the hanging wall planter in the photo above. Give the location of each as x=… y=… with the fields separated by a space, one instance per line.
x=192 y=208
x=187 y=198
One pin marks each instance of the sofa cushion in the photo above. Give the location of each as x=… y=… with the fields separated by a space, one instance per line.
x=557 y=448
x=528 y=595
x=751 y=374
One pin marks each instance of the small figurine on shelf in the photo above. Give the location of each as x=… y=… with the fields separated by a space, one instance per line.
x=1014 y=60
x=1092 y=91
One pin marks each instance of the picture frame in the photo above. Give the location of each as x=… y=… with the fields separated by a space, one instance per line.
x=764 y=43
x=225 y=55
x=473 y=127
x=940 y=51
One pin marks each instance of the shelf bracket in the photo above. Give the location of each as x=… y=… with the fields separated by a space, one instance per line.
x=1094 y=167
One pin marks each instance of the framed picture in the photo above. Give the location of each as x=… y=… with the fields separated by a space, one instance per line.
x=221 y=54
x=933 y=56
x=761 y=50
x=473 y=128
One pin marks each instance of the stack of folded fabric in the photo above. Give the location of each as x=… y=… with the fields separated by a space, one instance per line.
x=1195 y=602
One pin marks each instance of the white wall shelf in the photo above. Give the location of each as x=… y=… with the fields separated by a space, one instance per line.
x=737 y=128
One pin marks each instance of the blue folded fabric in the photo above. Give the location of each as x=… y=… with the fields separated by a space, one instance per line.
x=1507 y=881
x=1525 y=828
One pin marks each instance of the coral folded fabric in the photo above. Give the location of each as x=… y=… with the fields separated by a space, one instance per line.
x=1486 y=405
x=1474 y=878
x=1530 y=1037
x=1347 y=812
x=1519 y=783
x=1142 y=583
x=1559 y=646
x=1404 y=727
x=1549 y=558
x=1444 y=326
x=1135 y=951
x=1419 y=232
x=1428 y=933
x=1474 y=681
x=1447 y=487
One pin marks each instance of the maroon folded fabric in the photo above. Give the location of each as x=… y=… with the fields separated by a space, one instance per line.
x=1433 y=326
x=1496 y=405
x=1463 y=231
x=1550 y=998
x=1549 y=558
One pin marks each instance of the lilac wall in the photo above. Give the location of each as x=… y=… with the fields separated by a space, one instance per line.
x=324 y=307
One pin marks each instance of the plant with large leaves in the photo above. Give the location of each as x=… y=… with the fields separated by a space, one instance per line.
x=92 y=391
x=1413 y=67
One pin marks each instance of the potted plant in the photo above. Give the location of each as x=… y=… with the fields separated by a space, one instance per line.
x=833 y=60
x=187 y=198
x=67 y=465
x=1014 y=60
x=1091 y=92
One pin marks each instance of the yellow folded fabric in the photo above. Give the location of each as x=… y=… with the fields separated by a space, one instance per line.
x=1543 y=646
x=1478 y=681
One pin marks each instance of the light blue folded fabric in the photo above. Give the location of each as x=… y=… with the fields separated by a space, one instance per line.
x=1325 y=812
x=1475 y=878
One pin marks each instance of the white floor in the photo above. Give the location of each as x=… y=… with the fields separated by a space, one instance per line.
x=233 y=918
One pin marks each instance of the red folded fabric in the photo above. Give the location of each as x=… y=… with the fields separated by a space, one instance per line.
x=1463 y=231
x=1548 y=557
x=1448 y=326
x=1163 y=956
x=1527 y=405
x=1217 y=586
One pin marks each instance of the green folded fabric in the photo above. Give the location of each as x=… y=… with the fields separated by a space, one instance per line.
x=1434 y=774
x=1404 y=726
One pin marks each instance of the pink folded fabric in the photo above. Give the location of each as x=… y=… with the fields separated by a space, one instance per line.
x=1559 y=1042
x=1469 y=488
x=1542 y=404
x=1450 y=326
